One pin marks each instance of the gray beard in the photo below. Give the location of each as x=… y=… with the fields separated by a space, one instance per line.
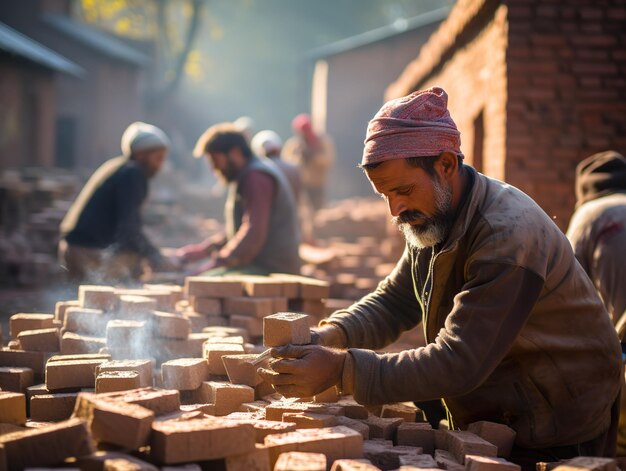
x=435 y=229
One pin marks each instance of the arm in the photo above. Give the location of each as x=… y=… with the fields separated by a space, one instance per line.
x=380 y=317
x=488 y=315
x=258 y=194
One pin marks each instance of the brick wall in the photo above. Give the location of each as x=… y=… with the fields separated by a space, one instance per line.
x=566 y=94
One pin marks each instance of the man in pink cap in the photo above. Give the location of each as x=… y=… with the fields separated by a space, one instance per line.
x=515 y=332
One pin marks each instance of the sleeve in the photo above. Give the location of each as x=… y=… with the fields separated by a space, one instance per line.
x=380 y=317
x=487 y=316
x=131 y=193
x=259 y=191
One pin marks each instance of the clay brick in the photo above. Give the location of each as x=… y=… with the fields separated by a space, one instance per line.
x=253 y=307
x=47 y=446
x=353 y=465
x=40 y=340
x=71 y=374
x=275 y=410
x=142 y=367
x=284 y=328
x=403 y=411
x=382 y=428
x=241 y=369
x=61 y=306
x=315 y=308
x=498 y=434
x=280 y=304
x=309 y=288
x=262 y=287
x=255 y=460
x=330 y=395
x=133 y=307
x=226 y=331
x=227 y=397
x=111 y=381
x=84 y=320
x=208 y=409
x=252 y=325
x=461 y=443
x=171 y=326
x=356 y=425
x=310 y=419
x=15 y=379
x=446 y=460
x=263 y=428
x=385 y=456
x=213 y=352
x=485 y=463
x=113 y=421
x=20 y=322
x=235 y=339
x=417 y=434
x=52 y=407
x=299 y=461
x=588 y=463
x=416 y=462
x=76 y=344
x=212 y=287
x=97 y=297
x=290 y=288
x=334 y=442
x=207 y=306
x=113 y=461
x=199 y=440
x=82 y=356
x=353 y=409
x=159 y=401
x=14 y=345
x=185 y=373
x=126 y=337
x=12 y=408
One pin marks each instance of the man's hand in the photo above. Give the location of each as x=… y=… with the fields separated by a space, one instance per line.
x=192 y=253
x=304 y=370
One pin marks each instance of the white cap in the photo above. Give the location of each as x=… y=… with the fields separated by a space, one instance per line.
x=244 y=124
x=142 y=136
x=266 y=142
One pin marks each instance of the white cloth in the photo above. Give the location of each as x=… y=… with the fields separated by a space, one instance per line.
x=266 y=142
x=143 y=136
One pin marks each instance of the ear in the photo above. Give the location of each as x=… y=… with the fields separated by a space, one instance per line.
x=447 y=165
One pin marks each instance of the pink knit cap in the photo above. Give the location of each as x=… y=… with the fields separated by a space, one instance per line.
x=417 y=125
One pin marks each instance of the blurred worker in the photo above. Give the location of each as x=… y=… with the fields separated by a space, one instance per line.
x=315 y=155
x=597 y=230
x=269 y=144
x=515 y=331
x=262 y=234
x=245 y=125
x=102 y=237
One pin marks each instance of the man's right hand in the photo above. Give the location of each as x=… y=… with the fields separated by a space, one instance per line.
x=329 y=335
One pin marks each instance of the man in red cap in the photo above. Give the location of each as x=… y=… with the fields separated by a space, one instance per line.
x=515 y=332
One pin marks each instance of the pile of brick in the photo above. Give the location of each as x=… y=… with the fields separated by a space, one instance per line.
x=204 y=406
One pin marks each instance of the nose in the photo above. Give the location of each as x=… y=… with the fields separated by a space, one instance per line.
x=396 y=205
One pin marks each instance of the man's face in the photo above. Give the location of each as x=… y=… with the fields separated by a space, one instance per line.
x=151 y=160
x=223 y=166
x=420 y=203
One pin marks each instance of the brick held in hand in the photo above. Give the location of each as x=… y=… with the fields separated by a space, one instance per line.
x=500 y=435
x=97 y=297
x=213 y=287
x=12 y=408
x=15 y=379
x=40 y=340
x=176 y=442
x=52 y=407
x=112 y=381
x=29 y=321
x=185 y=373
x=299 y=461
x=46 y=446
x=286 y=328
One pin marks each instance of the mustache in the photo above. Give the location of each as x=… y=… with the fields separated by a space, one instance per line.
x=408 y=216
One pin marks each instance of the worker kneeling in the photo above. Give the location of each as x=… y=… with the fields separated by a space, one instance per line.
x=515 y=331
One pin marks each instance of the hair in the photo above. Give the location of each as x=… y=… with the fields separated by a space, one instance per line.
x=222 y=138
x=426 y=163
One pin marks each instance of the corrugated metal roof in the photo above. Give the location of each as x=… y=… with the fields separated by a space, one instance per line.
x=16 y=43
x=379 y=34
x=95 y=39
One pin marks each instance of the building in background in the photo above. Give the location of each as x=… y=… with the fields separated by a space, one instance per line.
x=534 y=87
x=349 y=82
x=92 y=110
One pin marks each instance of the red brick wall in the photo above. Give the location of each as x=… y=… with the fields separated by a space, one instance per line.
x=566 y=94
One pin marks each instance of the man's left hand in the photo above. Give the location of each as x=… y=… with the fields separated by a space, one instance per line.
x=304 y=370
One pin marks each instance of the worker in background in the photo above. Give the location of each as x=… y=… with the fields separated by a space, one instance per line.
x=314 y=154
x=515 y=331
x=245 y=125
x=102 y=238
x=262 y=234
x=597 y=232
x=269 y=144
